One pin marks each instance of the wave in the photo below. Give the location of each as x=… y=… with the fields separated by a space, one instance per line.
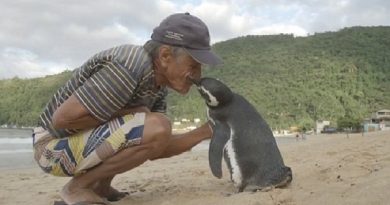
x=15 y=151
x=16 y=140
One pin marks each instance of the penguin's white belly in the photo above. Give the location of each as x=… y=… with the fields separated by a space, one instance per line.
x=236 y=171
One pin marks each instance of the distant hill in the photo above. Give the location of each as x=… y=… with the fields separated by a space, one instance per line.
x=292 y=81
x=22 y=100
x=296 y=80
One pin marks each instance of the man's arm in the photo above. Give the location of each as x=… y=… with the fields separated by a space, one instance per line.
x=99 y=99
x=73 y=115
x=180 y=143
x=134 y=110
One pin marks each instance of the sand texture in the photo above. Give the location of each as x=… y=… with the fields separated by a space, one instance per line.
x=327 y=169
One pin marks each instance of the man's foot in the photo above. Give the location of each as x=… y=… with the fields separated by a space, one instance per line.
x=115 y=195
x=110 y=193
x=72 y=194
x=81 y=203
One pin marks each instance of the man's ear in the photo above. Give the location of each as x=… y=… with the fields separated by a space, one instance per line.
x=165 y=55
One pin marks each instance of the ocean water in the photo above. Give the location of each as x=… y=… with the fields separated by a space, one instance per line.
x=16 y=148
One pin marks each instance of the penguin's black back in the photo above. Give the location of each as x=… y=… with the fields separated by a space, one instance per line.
x=254 y=144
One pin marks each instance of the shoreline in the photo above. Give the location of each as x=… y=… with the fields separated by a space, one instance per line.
x=17 y=128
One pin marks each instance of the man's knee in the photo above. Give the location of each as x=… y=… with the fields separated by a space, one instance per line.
x=157 y=130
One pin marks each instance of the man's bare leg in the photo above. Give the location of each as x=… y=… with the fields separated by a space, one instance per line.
x=178 y=143
x=157 y=143
x=157 y=132
x=104 y=189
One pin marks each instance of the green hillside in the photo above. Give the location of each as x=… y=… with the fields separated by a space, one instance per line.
x=293 y=81
x=290 y=80
x=22 y=100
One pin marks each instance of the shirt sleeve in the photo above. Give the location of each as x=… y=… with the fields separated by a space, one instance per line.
x=107 y=91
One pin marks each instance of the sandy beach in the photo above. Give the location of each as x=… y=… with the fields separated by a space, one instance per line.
x=327 y=169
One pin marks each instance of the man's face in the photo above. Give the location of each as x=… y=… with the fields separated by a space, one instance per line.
x=179 y=69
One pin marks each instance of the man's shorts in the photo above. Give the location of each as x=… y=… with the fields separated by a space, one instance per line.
x=79 y=152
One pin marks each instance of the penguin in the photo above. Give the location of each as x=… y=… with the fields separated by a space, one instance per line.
x=243 y=138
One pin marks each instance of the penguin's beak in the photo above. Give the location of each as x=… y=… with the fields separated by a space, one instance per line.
x=194 y=81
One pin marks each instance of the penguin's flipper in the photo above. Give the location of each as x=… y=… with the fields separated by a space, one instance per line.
x=221 y=134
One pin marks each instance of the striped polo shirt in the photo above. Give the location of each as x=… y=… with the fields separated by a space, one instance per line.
x=120 y=77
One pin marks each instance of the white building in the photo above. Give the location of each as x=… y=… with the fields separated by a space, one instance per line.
x=320 y=124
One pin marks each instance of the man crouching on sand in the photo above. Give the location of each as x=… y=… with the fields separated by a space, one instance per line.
x=107 y=119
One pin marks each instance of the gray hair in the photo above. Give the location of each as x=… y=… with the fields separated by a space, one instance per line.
x=153 y=48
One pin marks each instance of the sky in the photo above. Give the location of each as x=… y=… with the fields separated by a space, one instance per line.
x=45 y=37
